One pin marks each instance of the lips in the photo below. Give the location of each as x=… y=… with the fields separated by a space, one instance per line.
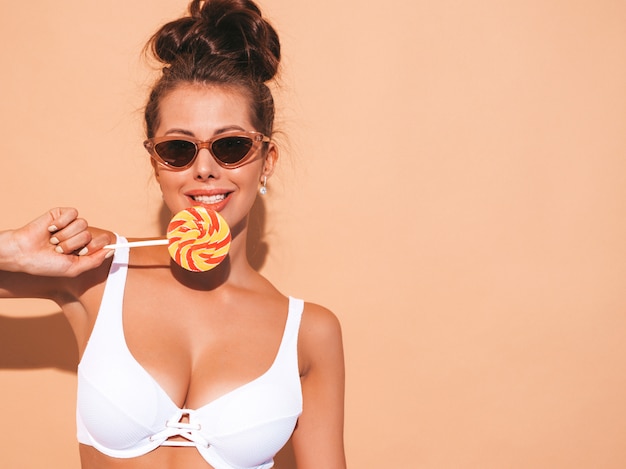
x=209 y=199
x=212 y=200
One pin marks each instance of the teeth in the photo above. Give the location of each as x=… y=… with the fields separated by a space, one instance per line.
x=209 y=199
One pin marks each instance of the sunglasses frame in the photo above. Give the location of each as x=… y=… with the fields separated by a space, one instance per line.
x=257 y=140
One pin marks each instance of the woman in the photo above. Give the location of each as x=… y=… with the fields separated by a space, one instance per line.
x=185 y=369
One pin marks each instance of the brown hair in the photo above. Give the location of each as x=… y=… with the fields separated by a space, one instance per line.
x=221 y=42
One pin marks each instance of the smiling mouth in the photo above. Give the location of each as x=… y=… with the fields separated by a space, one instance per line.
x=209 y=199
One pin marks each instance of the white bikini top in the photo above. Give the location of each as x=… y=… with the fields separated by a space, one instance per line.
x=124 y=413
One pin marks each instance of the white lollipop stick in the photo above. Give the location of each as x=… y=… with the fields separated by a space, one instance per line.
x=138 y=244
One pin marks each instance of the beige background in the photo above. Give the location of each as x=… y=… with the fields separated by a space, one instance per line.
x=453 y=186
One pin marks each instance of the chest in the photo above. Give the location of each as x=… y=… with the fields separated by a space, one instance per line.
x=125 y=408
x=198 y=345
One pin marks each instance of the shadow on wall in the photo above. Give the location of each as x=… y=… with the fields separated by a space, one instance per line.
x=37 y=342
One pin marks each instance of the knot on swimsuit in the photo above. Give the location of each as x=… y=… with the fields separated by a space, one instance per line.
x=189 y=430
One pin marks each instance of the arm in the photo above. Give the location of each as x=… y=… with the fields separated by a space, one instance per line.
x=56 y=245
x=318 y=438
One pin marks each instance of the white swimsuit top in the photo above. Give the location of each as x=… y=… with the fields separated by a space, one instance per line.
x=124 y=413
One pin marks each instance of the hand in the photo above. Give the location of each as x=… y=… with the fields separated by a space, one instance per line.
x=57 y=244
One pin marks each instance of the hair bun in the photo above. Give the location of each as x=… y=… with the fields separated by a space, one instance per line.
x=232 y=30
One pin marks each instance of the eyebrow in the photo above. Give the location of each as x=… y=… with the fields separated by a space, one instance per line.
x=189 y=133
x=179 y=131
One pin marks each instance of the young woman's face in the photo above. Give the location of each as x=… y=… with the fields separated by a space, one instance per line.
x=203 y=112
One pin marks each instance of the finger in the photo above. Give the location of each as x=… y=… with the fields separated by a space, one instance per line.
x=100 y=240
x=61 y=217
x=49 y=220
x=97 y=243
x=81 y=264
x=74 y=228
x=76 y=242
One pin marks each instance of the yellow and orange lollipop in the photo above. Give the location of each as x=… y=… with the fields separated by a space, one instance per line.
x=198 y=239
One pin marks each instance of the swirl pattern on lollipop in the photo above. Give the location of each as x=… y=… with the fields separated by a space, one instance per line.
x=198 y=239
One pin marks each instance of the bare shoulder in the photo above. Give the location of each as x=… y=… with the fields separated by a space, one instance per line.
x=320 y=337
x=95 y=231
x=319 y=321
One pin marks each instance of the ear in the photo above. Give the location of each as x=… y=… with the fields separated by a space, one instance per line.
x=271 y=159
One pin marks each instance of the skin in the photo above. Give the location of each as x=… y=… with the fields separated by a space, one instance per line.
x=245 y=322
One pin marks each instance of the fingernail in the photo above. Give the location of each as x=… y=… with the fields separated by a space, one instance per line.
x=52 y=228
x=109 y=254
x=83 y=251
x=59 y=249
x=54 y=240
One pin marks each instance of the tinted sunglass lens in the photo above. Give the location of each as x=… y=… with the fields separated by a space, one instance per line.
x=231 y=150
x=177 y=153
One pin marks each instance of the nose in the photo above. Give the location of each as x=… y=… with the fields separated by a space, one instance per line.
x=205 y=166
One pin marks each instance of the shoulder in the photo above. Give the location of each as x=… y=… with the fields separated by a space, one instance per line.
x=319 y=321
x=320 y=337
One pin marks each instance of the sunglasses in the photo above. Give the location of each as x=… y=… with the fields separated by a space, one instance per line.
x=230 y=150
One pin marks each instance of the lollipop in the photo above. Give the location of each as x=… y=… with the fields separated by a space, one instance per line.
x=198 y=239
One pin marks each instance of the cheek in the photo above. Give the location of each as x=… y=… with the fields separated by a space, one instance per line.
x=250 y=174
x=169 y=181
